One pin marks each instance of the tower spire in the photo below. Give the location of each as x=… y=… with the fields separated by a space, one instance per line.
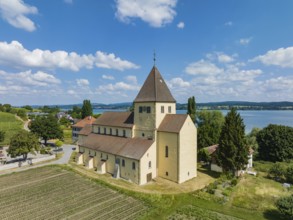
x=154 y=57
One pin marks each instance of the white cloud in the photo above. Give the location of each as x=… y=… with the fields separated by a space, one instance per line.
x=82 y=82
x=131 y=79
x=15 y=13
x=30 y=79
x=71 y=92
x=108 y=77
x=245 y=41
x=181 y=25
x=281 y=57
x=117 y=86
x=178 y=82
x=202 y=67
x=156 y=13
x=224 y=58
x=15 y=55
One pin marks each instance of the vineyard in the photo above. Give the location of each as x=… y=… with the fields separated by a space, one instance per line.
x=55 y=193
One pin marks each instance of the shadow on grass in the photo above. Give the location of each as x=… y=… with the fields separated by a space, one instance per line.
x=273 y=215
x=209 y=172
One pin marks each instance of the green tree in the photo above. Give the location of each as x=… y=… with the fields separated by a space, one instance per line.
x=276 y=172
x=289 y=174
x=232 y=153
x=23 y=143
x=2 y=135
x=64 y=121
x=191 y=108
x=275 y=143
x=251 y=140
x=285 y=206
x=46 y=127
x=22 y=114
x=28 y=107
x=87 y=109
x=209 y=128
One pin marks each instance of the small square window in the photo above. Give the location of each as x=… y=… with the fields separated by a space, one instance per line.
x=148 y=109
x=140 y=109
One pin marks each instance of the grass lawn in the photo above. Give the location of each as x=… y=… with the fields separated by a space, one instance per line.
x=10 y=125
x=258 y=193
x=67 y=135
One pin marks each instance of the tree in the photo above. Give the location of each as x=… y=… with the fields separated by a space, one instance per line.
x=58 y=144
x=289 y=174
x=87 y=109
x=23 y=143
x=285 y=206
x=276 y=171
x=232 y=153
x=2 y=135
x=209 y=128
x=22 y=114
x=46 y=127
x=191 y=108
x=275 y=143
x=251 y=140
x=64 y=121
x=28 y=107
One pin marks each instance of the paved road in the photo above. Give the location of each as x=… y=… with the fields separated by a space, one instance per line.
x=67 y=149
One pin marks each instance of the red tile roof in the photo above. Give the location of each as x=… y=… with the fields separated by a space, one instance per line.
x=86 y=121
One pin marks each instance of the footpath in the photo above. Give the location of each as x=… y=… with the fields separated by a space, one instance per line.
x=67 y=150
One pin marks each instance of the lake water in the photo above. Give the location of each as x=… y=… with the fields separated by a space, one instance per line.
x=257 y=118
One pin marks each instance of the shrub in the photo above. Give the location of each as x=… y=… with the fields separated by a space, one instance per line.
x=276 y=171
x=285 y=206
x=289 y=174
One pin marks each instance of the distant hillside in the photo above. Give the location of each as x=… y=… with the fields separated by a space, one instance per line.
x=241 y=105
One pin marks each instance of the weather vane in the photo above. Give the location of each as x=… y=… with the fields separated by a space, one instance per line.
x=154 y=57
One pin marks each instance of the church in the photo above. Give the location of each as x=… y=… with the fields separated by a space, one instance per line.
x=152 y=141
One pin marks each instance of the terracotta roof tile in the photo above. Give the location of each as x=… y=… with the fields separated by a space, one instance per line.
x=172 y=123
x=154 y=89
x=133 y=148
x=116 y=119
x=86 y=121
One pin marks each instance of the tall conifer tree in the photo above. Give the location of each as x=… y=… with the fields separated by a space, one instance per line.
x=87 y=109
x=232 y=153
x=191 y=108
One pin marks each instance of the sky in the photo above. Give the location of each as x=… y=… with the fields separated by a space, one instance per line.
x=64 y=51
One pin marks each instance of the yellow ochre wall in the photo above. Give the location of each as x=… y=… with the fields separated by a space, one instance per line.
x=187 y=151
x=160 y=116
x=127 y=172
x=169 y=164
x=150 y=155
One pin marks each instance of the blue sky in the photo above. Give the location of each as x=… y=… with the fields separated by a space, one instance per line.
x=65 y=51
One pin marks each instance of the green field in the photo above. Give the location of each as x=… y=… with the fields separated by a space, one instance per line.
x=56 y=193
x=10 y=125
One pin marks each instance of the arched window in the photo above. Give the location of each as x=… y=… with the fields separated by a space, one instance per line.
x=150 y=164
x=133 y=165
x=110 y=131
x=123 y=162
x=166 y=151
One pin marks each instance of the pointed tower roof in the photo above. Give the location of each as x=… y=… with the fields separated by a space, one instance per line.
x=154 y=89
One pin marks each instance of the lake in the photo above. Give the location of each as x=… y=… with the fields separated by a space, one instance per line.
x=251 y=118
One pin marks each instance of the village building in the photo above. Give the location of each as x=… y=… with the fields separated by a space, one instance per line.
x=76 y=128
x=152 y=141
x=212 y=151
